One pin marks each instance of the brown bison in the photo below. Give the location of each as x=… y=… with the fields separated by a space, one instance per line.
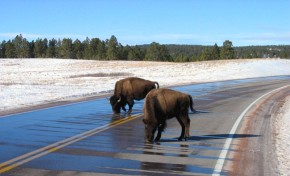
x=163 y=104
x=129 y=89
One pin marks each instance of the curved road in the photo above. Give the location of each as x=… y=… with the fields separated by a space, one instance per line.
x=230 y=132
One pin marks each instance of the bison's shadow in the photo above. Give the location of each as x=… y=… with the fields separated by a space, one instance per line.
x=199 y=112
x=211 y=137
x=222 y=136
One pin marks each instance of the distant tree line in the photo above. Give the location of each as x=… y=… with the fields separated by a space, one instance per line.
x=111 y=49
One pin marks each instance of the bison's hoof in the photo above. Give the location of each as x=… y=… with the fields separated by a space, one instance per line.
x=148 y=141
x=157 y=139
x=180 y=139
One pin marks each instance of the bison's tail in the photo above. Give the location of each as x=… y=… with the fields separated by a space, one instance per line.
x=156 y=85
x=191 y=104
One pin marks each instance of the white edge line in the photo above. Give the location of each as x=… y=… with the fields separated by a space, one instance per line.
x=220 y=163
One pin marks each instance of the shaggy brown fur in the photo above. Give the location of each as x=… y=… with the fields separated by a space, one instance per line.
x=129 y=89
x=163 y=104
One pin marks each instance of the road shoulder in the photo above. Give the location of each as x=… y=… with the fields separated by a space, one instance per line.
x=257 y=156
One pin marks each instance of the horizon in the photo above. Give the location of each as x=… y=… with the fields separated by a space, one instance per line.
x=141 y=44
x=244 y=23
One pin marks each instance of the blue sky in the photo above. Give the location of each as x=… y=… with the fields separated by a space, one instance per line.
x=198 y=22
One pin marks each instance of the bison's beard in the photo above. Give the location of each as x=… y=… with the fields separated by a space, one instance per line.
x=116 y=105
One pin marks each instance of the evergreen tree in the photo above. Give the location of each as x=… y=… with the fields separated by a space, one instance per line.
x=40 y=47
x=206 y=55
x=215 y=53
x=9 y=49
x=181 y=58
x=94 y=48
x=21 y=45
x=157 y=52
x=87 y=49
x=66 y=49
x=2 y=49
x=102 y=50
x=112 y=51
x=78 y=49
x=124 y=52
x=227 y=51
x=52 y=48
x=136 y=54
x=31 y=49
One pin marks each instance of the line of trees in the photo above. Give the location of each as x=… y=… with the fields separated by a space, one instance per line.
x=93 y=48
x=111 y=49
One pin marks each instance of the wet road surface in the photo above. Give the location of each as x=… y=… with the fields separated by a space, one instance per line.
x=87 y=139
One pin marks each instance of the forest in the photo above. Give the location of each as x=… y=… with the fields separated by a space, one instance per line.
x=111 y=49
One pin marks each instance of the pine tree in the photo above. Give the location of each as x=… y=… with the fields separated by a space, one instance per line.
x=87 y=51
x=206 y=54
x=52 y=48
x=66 y=49
x=215 y=53
x=2 y=49
x=227 y=51
x=78 y=49
x=94 y=48
x=112 y=51
x=157 y=52
x=9 y=50
x=40 y=47
x=21 y=45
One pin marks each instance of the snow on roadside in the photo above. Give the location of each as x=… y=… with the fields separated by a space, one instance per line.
x=282 y=143
x=26 y=82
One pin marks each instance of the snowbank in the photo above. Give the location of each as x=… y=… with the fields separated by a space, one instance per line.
x=283 y=138
x=26 y=82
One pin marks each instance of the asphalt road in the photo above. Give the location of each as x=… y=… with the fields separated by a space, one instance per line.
x=87 y=139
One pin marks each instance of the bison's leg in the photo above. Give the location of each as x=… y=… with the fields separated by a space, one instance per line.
x=160 y=129
x=130 y=102
x=123 y=108
x=187 y=128
x=181 y=122
x=153 y=132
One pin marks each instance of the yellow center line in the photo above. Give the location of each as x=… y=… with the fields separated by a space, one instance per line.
x=15 y=162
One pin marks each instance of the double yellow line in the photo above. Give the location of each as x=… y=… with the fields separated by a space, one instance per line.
x=15 y=162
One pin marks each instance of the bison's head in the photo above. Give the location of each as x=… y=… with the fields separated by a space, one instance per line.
x=116 y=104
x=149 y=131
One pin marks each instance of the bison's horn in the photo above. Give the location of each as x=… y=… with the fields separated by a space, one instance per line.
x=119 y=99
x=156 y=85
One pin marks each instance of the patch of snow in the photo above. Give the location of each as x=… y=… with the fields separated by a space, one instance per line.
x=283 y=138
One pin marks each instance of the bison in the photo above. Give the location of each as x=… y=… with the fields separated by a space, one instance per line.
x=129 y=89
x=163 y=104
